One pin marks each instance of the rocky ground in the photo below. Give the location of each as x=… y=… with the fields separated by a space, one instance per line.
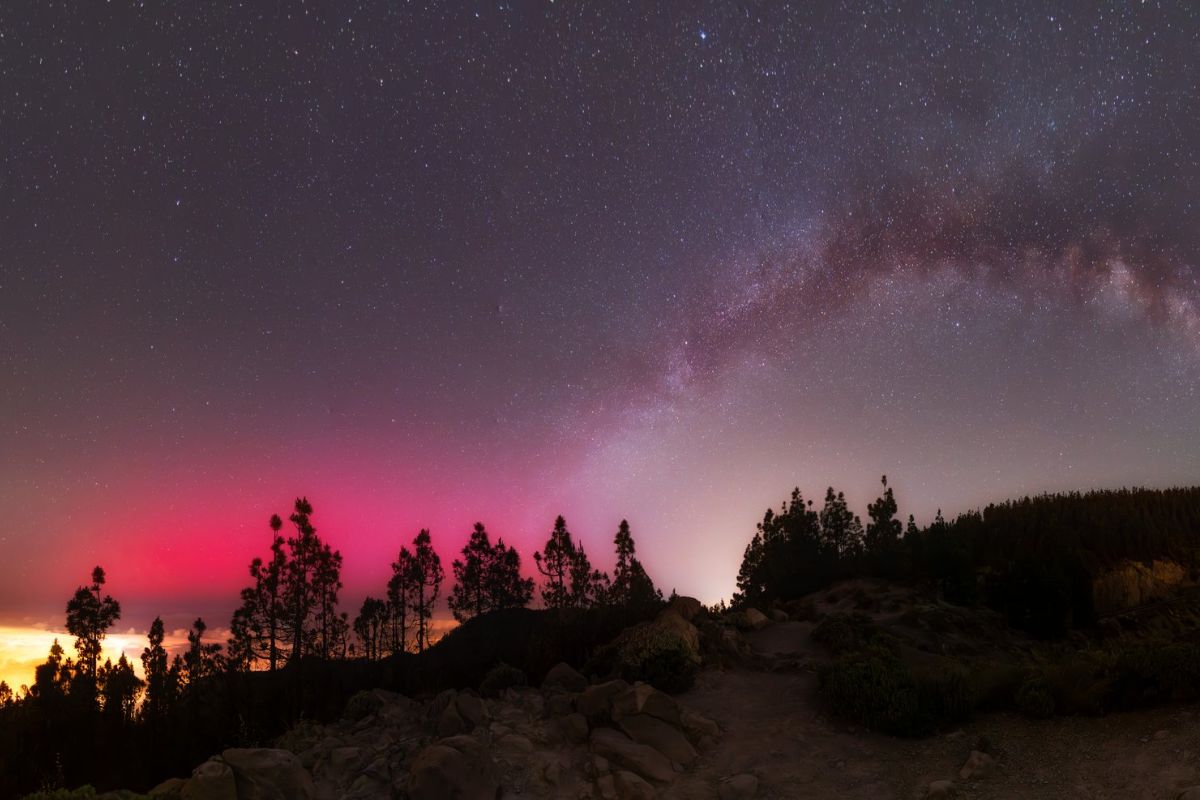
x=756 y=730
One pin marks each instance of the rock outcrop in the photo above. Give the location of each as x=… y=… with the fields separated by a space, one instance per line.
x=1133 y=584
x=570 y=739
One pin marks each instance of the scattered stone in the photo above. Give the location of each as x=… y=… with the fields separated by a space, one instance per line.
x=642 y=698
x=697 y=726
x=642 y=759
x=471 y=710
x=940 y=789
x=450 y=722
x=212 y=780
x=343 y=759
x=606 y=787
x=596 y=701
x=978 y=765
x=1160 y=735
x=1191 y=793
x=513 y=748
x=755 y=618
x=739 y=787
x=575 y=727
x=457 y=767
x=630 y=786
x=170 y=788
x=562 y=676
x=666 y=739
x=269 y=774
x=559 y=704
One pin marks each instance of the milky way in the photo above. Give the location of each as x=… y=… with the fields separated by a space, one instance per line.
x=503 y=261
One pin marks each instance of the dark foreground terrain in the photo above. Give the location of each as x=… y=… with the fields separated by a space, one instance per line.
x=758 y=722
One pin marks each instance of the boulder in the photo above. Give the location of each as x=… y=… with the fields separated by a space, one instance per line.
x=1191 y=793
x=560 y=704
x=596 y=701
x=940 y=790
x=665 y=738
x=212 y=780
x=696 y=727
x=672 y=621
x=457 y=768
x=168 y=790
x=739 y=787
x=269 y=774
x=755 y=618
x=687 y=607
x=471 y=710
x=513 y=748
x=450 y=722
x=618 y=748
x=575 y=727
x=978 y=765
x=630 y=786
x=562 y=676
x=642 y=698
x=779 y=615
x=606 y=787
x=344 y=759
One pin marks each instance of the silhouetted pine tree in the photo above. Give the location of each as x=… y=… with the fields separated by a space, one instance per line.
x=555 y=562
x=488 y=578
x=154 y=666
x=89 y=616
x=370 y=625
x=841 y=530
x=631 y=586
x=400 y=594
x=427 y=575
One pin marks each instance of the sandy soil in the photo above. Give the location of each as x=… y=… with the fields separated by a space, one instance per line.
x=775 y=728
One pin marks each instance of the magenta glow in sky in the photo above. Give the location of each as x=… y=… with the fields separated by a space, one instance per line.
x=429 y=267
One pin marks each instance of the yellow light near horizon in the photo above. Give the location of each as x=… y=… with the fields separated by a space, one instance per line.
x=23 y=648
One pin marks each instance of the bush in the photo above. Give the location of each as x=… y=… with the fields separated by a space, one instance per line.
x=739 y=620
x=946 y=695
x=875 y=688
x=63 y=794
x=1156 y=674
x=362 y=705
x=1034 y=699
x=657 y=655
x=845 y=633
x=994 y=686
x=500 y=677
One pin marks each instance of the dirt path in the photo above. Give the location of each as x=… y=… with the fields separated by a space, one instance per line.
x=774 y=727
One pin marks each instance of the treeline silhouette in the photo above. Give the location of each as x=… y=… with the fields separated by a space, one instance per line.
x=292 y=654
x=1035 y=559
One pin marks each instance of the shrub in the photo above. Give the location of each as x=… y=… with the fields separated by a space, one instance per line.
x=63 y=794
x=361 y=705
x=1165 y=672
x=846 y=633
x=657 y=655
x=500 y=677
x=1034 y=699
x=946 y=695
x=994 y=686
x=739 y=620
x=878 y=690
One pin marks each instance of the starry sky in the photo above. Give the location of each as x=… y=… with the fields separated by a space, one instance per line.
x=433 y=263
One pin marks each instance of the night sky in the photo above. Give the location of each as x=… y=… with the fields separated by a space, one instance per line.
x=429 y=265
